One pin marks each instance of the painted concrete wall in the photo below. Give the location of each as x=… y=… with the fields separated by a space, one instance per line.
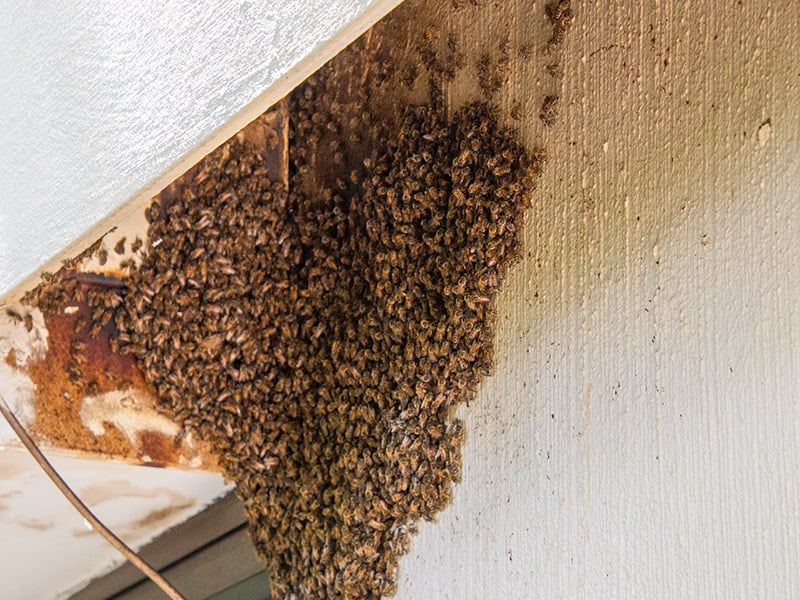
x=641 y=436
x=100 y=98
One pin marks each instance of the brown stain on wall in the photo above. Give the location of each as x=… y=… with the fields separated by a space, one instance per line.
x=111 y=490
x=36 y=524
x=158 y=517
x=11 y=358
x=118 y=489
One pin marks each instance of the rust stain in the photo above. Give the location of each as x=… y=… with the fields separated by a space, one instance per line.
x=158 y=447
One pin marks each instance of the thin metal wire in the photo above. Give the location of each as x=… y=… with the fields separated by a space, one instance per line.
x=112 y=539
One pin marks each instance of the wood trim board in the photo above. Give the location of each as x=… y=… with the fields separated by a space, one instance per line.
x=195 y=537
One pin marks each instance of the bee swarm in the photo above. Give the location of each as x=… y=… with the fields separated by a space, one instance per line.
x=321 y=343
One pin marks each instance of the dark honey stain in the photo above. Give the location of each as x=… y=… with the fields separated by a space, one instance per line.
x=267 y=134
x=11 y=358
x=160 y=448
x=58 y=398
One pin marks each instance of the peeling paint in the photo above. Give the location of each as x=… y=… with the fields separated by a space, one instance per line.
x=130 y=411
x=19 y=346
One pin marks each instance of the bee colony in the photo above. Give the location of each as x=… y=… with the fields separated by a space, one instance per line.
x=319 y=336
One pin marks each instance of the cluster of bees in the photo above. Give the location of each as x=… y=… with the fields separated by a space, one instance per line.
x=321 y=338
x=560 y=15
x=322 y=341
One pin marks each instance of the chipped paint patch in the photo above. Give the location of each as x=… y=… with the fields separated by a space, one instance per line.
x=23 y=330
x=130 y=411
x=23 y=339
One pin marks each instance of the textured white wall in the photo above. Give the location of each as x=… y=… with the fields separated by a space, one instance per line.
x=99 y=98
x=641 y=436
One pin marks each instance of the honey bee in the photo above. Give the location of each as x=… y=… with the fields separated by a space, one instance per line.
x=549 y=110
